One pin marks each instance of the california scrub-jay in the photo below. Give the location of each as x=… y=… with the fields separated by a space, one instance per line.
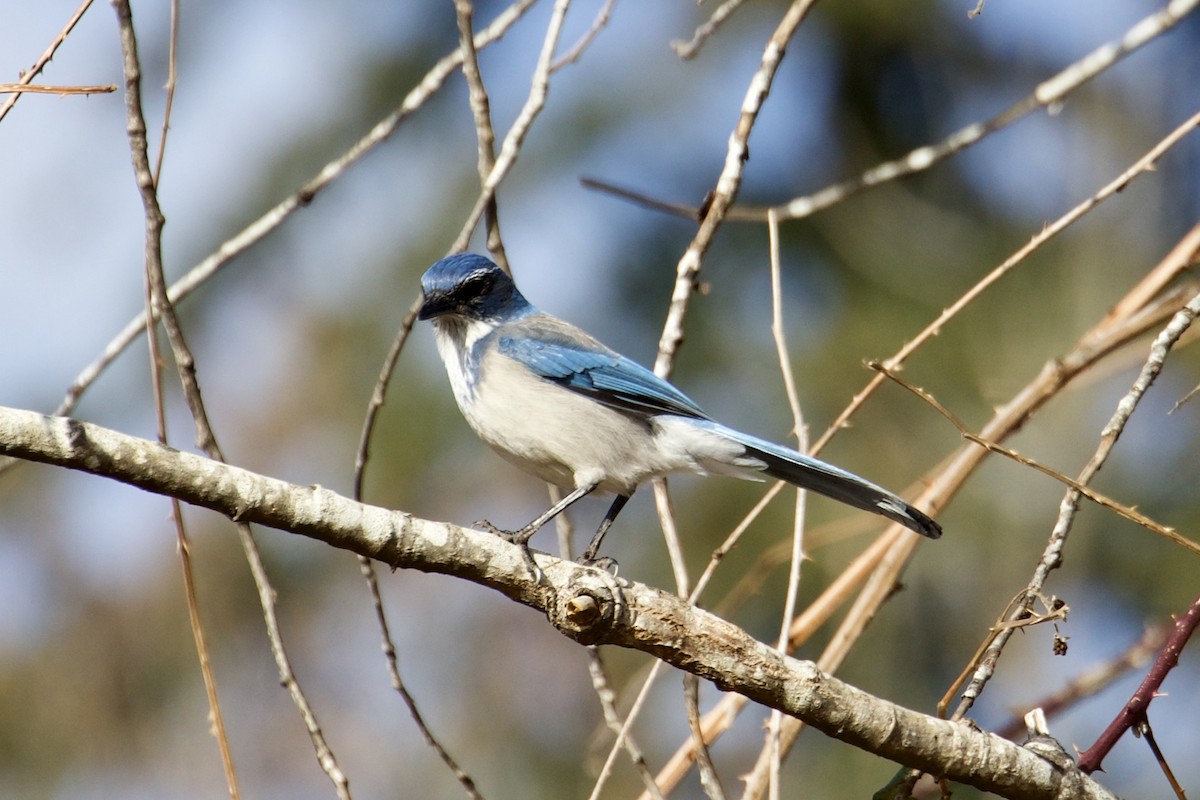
x=560 y=405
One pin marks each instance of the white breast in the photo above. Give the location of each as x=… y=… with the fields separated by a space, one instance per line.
x=561 y=436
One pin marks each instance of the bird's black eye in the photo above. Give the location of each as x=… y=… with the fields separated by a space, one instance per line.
x=477 y=285
x=476 y=288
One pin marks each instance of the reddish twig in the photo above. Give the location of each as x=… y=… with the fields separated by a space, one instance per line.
x=1092 y=681
x=1135 y=710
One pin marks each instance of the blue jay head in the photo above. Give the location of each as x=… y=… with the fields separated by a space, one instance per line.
x=472 y=287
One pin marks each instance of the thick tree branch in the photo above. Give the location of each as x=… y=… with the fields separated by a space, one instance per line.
x=586 y=604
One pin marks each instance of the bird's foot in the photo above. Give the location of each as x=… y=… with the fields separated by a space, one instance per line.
x=605 y=563
x=484 y=525
x=519 y=537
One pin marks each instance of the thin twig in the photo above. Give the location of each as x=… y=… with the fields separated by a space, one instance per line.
x=563 y=527
x=635 y=710
x=45 y=57
x=1076 y=485
x=666 y=521
x=1141 y=166
x=601 y=683
x=1185 y=399
x=612 y=718
x=1144 y=730
x=670 y=774
x=268 y=222
x=511 y=147
x=367 y=567
x=205 y=436
x=1047 y=94
x=1135 y=710
x=155 y=291
x=678 y=209
x=709 y=779
x=666 y=518
x=726 y=188
x=801 y=431
x=576 y=50
x=21 y=88
x=724 y=194
x=690 y=49
x=725 y=191
x=326 y=759
x=172 y=75
x=1052 y=555
x=484 y=135
x=362 y=455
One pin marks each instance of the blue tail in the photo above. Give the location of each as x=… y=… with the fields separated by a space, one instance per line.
x=846 y=487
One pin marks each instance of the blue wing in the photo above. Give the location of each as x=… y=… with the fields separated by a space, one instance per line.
x=559 y=352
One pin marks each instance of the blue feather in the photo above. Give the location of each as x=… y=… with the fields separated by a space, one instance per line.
x=597 y=372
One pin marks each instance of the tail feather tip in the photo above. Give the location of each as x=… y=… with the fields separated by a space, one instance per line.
x=912 y=518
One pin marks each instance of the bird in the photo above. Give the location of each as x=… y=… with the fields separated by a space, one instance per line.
x=555 y=402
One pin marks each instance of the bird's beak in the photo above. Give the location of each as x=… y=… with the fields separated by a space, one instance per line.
x=432 y=305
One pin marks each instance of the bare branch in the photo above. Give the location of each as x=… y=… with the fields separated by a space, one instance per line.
x=367 y=567
x=1135 y=710
x=481 y=110
x=45 y=57
x=635 y=710
x=268 y=222
x=612 y=718
x=576 y=50
x=1047 y=94
x=172 y=76
x=800 y=429
x=726 y=189
x=22 y=88
x=156 y=291
x=1140 y=167
x=1090 y=682
x=159 y=305
x=1076 y=484
x=708 y=773
x=510 y=148
x=585 y=604
x=690 y=49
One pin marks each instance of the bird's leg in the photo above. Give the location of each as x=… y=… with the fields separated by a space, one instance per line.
x=523 y=535
x=589 y=555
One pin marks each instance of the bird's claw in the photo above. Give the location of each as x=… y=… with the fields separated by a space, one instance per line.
x=605 y=563
x=484 y=525
x=520 y=538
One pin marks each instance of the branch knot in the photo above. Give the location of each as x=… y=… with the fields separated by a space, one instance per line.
x=589 y=607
